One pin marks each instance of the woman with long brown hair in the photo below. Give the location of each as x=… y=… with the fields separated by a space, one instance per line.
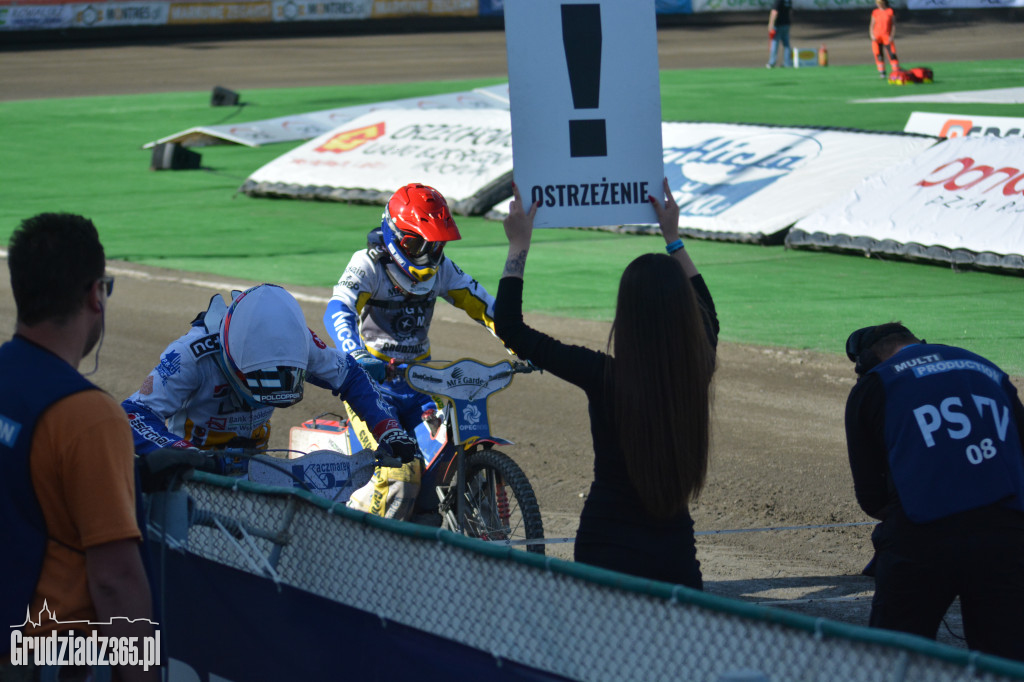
x=649 y=401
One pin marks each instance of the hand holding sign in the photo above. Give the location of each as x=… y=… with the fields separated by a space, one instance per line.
x=586 y=109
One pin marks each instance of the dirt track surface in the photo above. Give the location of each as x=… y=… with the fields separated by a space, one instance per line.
x=778 y=456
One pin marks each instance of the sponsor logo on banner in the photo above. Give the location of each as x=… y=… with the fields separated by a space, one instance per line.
x=37 y=16
x=324 y=10
x=119 y=14
x=960 y=125
x=397 y=8
x=219 y=12
x=347 y=140
x=712 y=176
x=67 y=646
x=975 y=185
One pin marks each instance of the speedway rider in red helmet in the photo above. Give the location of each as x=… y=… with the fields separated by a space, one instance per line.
x=217 y=386
x=383 y=304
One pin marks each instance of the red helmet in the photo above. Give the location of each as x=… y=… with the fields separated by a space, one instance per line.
x=415 y=226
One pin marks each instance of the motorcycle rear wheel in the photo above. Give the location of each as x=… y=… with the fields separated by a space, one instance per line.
x=500 y=504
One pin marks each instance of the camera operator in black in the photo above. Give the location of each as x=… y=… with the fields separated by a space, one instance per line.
x=934 y=440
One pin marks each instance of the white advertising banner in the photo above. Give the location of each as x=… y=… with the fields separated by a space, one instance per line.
x=964 y=194
x=586 y=108
x=466 y=155
x=309 y=125
x=963 y=125
x=747 y=182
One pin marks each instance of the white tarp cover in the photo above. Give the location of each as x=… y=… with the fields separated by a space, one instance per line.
x=748 y=182
x=466 y=155
x=306 y=126
x=961 y=201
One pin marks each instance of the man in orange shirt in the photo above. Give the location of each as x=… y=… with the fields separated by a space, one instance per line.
x=70 y=535
x=882 y=32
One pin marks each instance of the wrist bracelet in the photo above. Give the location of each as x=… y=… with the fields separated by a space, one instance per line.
x=672 y=247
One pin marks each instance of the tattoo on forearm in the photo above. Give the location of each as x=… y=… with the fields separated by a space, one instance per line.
x=516 y=263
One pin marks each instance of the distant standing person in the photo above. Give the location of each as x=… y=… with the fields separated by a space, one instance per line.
x=649 y=403
x=934 y=439
x=778 y=32
x=882 y=32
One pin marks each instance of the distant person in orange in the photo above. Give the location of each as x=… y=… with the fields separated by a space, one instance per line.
x=882 y=31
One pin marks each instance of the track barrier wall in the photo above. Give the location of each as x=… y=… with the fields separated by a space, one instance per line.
x=195 y=18
x=253 y=575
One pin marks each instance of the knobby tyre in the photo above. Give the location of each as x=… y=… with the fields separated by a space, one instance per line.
x=500 y=503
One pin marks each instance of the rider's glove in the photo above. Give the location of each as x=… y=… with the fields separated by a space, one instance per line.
x=160 y=467
x=374 y=367
x=400 y=443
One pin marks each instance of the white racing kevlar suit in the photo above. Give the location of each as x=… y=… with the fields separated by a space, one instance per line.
x=368 y=310
x=187 y=399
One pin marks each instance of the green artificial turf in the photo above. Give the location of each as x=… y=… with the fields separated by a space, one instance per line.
x=84 y=155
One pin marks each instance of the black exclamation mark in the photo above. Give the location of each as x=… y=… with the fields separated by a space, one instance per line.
x=581 y=35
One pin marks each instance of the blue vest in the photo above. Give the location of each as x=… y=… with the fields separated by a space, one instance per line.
x=950 y=431
x=31 y=380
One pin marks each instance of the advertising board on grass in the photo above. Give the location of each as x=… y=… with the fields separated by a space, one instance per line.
x=308 y=125
x=466 y=155
x=960 y=201
x=748 y=182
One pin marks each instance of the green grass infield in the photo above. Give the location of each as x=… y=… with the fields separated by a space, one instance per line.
x=84 y=155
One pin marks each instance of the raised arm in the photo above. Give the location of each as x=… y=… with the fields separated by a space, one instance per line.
x=519 y=231
x=668 y=221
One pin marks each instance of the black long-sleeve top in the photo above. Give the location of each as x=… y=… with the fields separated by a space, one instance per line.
x=613 y=513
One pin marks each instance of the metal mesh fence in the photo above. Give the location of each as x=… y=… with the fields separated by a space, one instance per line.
x=573 y=620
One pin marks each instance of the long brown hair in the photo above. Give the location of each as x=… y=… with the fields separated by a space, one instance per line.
x=661 y=377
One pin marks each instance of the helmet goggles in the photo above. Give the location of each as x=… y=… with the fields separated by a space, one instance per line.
x=276 y=387
x=417 y=247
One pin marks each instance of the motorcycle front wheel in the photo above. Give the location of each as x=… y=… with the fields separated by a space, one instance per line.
x=500 y=505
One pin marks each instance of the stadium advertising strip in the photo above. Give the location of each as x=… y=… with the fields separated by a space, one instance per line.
x=963 y=195
x=49 y=15
x=465 y=154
